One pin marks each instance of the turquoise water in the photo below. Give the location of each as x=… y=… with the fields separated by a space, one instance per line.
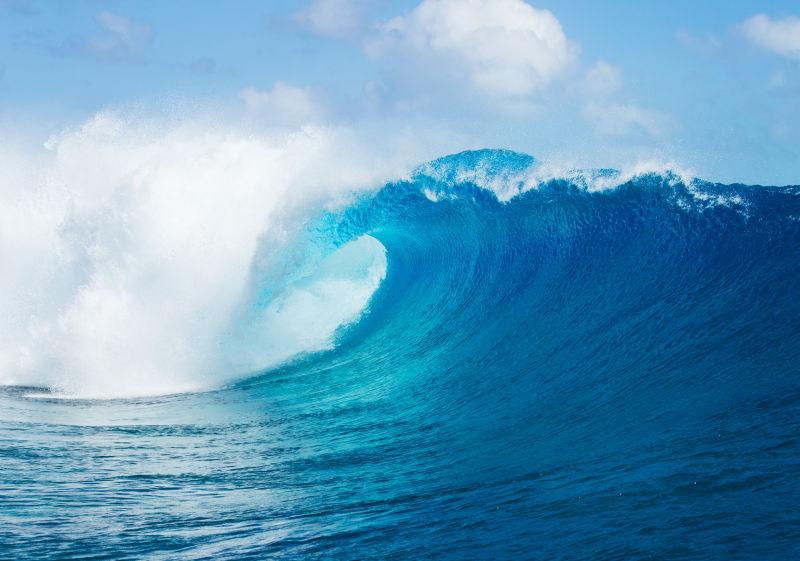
x=563 y=372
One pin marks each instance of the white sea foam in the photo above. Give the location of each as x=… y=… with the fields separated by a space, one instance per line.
x=127 y=248
x=506 y=184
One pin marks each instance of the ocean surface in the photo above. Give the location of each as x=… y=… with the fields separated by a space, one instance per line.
x=577 y=365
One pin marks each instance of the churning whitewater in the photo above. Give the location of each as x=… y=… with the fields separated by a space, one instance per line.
x=140 y=255
x=486 y=358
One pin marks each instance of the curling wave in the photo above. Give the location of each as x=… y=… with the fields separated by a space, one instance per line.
x=129 y=250
x=160 y=273
x=487 y=359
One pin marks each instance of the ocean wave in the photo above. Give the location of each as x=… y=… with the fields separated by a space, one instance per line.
x=421 y=369
x=184 y=261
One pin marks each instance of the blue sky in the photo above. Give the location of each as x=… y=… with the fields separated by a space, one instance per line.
x=713 y=86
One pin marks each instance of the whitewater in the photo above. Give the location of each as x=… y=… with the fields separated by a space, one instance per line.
x=227 y=344
x=134 y=248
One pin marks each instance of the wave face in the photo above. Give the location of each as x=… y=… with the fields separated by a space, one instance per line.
x=551 y=365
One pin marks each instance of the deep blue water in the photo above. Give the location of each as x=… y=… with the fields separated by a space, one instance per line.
x=568 y=374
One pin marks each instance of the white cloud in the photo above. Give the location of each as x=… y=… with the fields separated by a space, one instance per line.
x=603 y=79
x=779 y=36
x=777 y=81
x=609 y=113
x=784 y=83
x=503 y=49
x=701 y=44
x=623 y=119
x=332 y=18
x=285 y=104
x=120 y=36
